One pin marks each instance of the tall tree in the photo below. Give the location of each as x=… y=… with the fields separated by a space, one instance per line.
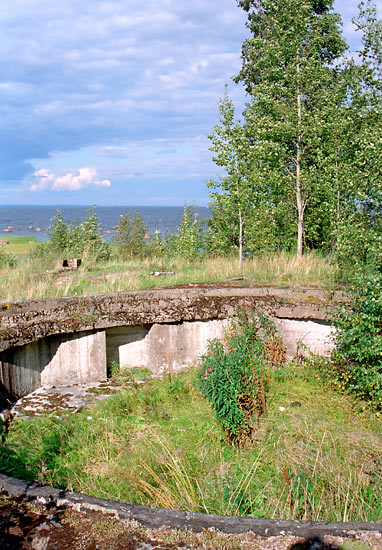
x=230 y=145
x=288 y=71
x=359 y=234
x=242 y=213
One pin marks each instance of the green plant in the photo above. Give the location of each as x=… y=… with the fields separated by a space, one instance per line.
x=357 y=360
x=233 y=378
x=81 y=239
x=188 y=243
x=7 y=260
x=131 y=236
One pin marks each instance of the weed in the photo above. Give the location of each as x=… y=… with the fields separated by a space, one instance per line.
x=356 y=364
x=232 y=377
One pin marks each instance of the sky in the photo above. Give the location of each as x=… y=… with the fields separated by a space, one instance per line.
x=109 y=102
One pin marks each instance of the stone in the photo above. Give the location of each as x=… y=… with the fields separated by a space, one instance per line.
x=69 y=264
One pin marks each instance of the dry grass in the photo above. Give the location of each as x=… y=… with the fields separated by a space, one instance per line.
x=37 y=278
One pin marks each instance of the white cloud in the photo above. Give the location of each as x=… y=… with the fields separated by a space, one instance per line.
x=45 y=180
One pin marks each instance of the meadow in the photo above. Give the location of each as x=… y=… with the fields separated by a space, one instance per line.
x=34 y=272
x=313 y=456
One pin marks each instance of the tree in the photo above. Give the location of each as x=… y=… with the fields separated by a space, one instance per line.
x=243 y=214
x=230 y=144
x=360 y=228
x=189 y=241
x=131 y=235
x=288 y=71
x=82 y=238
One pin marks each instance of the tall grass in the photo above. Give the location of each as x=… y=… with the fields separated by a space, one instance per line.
x=38 y=278
x=312 y=457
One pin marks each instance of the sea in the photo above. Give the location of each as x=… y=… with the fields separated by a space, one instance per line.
x=24 y=220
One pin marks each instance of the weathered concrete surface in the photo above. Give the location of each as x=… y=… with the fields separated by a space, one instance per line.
x=300 y=336
x=175 y=519
x=53 y=400
x=54 y=361
x=163 y=347
x=25 y=322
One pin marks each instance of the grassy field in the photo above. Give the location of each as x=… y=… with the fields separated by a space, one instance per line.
x=21 y=246
x=36 y=276
x=158 y=443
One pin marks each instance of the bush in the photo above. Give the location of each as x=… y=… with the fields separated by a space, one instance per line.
x=7 y=260
x=189 y=241
x=357 y=359
x=233 y=378
x=131 y=235
x=81 y=239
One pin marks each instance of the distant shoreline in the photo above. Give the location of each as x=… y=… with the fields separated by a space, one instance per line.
x=26 y=220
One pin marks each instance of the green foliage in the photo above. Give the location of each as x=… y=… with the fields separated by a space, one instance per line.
x=189 y=241
x=357 y=360
x=7 y=260
x=359 y=234
x=131 y=236
x=233 y=378
x=290 y=74
x=81 y=239
x=242 y=219
x=304 y=165
x=158 y=444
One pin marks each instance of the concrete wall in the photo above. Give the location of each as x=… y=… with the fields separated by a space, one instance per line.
x=81 y=358
x=162 y=346
x=22 y=323
x=313 y=335
x=60 y=341
x=174 y=346
x=54 y=361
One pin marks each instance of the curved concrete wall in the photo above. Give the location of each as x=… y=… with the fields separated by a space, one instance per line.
x=181 y=520
x=71 y=340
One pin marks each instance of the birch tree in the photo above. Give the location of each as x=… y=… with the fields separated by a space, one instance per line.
x=230 y=145
x=288 y=70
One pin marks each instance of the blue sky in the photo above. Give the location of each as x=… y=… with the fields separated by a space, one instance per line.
x=109 y=102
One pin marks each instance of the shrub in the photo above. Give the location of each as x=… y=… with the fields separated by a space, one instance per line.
x=7 y=260
x=131 y=235
x=233 y=378
x=357 y=359
x=189 y=241
x=81 y=239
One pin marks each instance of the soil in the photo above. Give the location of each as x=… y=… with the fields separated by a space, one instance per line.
x=27 y=526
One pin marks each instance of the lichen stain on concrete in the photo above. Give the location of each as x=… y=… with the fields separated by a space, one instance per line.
x=25 y=322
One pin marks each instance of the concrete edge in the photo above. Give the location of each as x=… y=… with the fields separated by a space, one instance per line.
x=180 y=520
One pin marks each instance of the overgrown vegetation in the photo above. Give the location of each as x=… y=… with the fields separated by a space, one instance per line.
x=302 y=167
x=356 y=362
x=131 y=236
x=233 y=377
x=158 y=443
x=35 y=275
x=7 y=260
x=77 y=239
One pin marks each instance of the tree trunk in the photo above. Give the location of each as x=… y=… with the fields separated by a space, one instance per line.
x=240 y=240
x=299 y=200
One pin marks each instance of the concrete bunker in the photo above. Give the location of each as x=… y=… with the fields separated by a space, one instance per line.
x=73 y=341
